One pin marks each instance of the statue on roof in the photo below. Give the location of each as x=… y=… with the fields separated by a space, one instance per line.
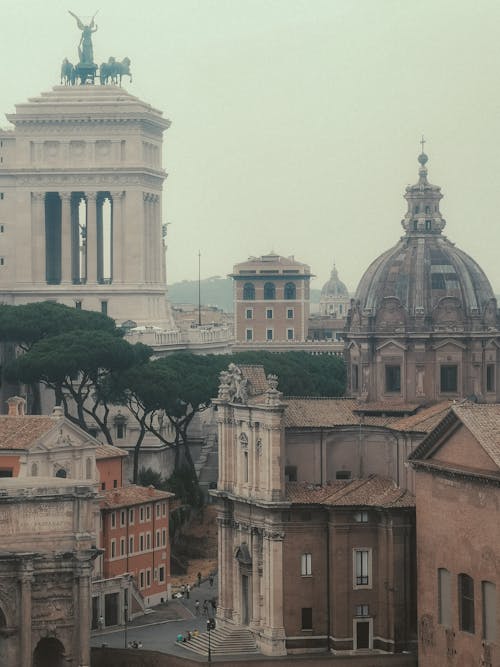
x=85 y=49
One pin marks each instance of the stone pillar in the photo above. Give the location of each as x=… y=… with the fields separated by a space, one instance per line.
x=26 y=578
x=38 y=237
x=255 y=579
x=84 y=608
x=65 y=236
x=91 y=237
x=117 y=238
x=145 y=240
x=273 y=637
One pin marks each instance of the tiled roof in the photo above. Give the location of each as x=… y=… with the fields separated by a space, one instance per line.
x=425 y=420
x=132 y=494
x=373 y=491
x=24 y=432
x=256 y=376
x=386 y=407
x=483 y=421
x=105 y=451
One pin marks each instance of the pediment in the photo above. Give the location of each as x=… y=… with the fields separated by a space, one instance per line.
x=492 y=342
x=64 y=436
x=452 y=342
x=392 y=343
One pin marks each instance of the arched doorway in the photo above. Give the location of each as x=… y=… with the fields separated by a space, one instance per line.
x=49 y=652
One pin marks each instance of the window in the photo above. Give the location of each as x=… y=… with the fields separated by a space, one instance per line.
x=362 y=568
x=449 y=378
x=141 y=579
x=249 y=313
x=163 y=537
x=115 y=484
x=123 y=516
x=269 y=291
x=249 y=334
x=113 y=548
x=157 y=538
x=428 y=225
x=490 y=377
x=307 y=618
x=355 y=377
x=393 y=378
x=416 y=209
x=245 y=466
x=148 y=512
x=103 y=486
x=148 y=578
x=362 y=610
x=269 y=334
x=141 y=515
x=290 y=291
x=248 y=292
x=88 y=469
x=343 y=474
x=466 y=602
x=120 y=430
x=158 y=510
x=289 y=334
x=131 y=517
x=164 y=509
x=34 y=469
x=2 y=229
x=415 y=225
x=122 y=546
x=306 y=565
x=161 y=574
x=113 y=519
x=290 y=473
x=78 y=305
x=6 y=472
x=269 y=313
x=1 y=195
x=148 y=540
x=427 y=209
x=2 y=261
x=361 y=517
x=61 y=473
x=131 y=544
x=444 y=597
x=104 y=307
x=489 y=595
x=289 y=313
x=141 y=542
x=437 y=281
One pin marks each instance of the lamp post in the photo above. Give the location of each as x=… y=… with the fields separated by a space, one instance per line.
x=125 y=610
x=209 y=627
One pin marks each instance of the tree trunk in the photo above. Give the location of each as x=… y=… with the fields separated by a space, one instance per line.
x=137 y=450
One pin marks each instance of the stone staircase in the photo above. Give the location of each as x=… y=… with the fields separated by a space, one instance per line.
x=207 y=465
x=223 y=642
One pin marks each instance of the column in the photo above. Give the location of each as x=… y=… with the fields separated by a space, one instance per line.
x=117 y=238
x=84 y=609
x=255 y=578
x=65 y=236
x=91 y=237
x=38 y=237
x=26 y=577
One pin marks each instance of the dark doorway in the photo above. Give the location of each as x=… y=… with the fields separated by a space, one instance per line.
x=49 y=652
x=95 y=613
x=111 y=609
x=244 y=600
x=362 y=634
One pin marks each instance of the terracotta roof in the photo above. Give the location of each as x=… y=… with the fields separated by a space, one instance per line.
x=132 y=494
x=386 y=407
x=327 y=413
x=373 y=491
x=483 y=421
x=425 y=420
x=256 y=377
x=105 y=451
x=24 y=432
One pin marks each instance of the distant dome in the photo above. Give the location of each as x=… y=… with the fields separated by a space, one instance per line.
x=334 y=286
x=425 y=276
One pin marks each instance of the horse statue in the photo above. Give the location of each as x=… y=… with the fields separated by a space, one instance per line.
x=113 y=71
x=67 y=73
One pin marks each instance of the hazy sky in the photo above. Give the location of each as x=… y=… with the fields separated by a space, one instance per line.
x=296 y=124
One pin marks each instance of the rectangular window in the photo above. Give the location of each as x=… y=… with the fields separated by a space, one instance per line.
x=164 y=509
x=148 y=540
x=122 y=546
x=355 y=377
x=163 y=537
x=361 y=517
x=466 y=602
x=141 y=515
x=362 y=568
x=78 y=305
x=103 y=486
x=307 y=618
x=131 y=517
x=306 y=565
x=104 y=307
x=289 y=313
x=444 y=597
x=343 y=474
x=113 y=548
x=120 y=430
x=113 y=519
x=362 y=610
x=2 y=229
x=141 y=542
x=490 y=377
x=249 y=314
x=123 y=517
x=2 y=261
x=289 y=334
x=161 y=574
x=393 y=378
x=158 y=510
x=269 y=313
x=290 y=473
x=131 y=544
x=249 y=334
x=269 y=334
x=449 y=378
x=148 y=512
x=489 y=592
x=141 y=579
x=1 y=195
x=157 y=538
x=245 y=466
x=148 y=578
x=115 y=484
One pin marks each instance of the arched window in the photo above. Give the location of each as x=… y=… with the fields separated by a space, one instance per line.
x=466 y=602
x=290 y=291
x=61 y=473
x=34 y=469
x=249 y=292
x=88 y=469
x=269 y=291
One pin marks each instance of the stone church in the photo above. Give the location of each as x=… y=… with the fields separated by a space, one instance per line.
x=317 y=542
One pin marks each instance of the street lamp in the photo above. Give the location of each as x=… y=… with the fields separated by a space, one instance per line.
x=210 y=625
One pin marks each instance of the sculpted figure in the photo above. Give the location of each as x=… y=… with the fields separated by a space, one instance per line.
x=85 y=49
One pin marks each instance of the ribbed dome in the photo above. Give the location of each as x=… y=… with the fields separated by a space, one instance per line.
x=334 y=286
x=425 y=281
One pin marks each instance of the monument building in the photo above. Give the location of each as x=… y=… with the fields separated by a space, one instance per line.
x=81 y=182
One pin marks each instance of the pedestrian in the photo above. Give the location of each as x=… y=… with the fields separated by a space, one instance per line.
x=211 y=580
x=205 y=608
x=214 y=603
x=100 y=623
x=197 y=607
x=188 y=591
x=183 y=589
x=199 y=579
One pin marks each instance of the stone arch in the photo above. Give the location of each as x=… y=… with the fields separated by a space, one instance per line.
x=34 y=469
x=391 y=316
x=61 y=472
x=49 y=652
x=448 y=312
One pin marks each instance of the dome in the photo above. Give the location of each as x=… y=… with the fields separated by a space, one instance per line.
x=334 y=286
x=425 y=281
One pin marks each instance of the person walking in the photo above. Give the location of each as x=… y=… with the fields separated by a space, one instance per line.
x=197 y=607
x=188 y=591
x=199 y=579
x=183 y=590
x=211 y=580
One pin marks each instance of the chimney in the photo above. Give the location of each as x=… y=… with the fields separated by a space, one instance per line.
x=16 y=406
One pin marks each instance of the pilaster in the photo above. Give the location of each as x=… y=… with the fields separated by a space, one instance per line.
x=91 y=237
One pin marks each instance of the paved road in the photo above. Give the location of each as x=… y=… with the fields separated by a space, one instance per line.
x=158 y=630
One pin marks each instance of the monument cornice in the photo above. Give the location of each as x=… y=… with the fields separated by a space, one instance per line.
x=97 y=178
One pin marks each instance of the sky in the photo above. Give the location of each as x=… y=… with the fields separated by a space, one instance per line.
x=295 y=123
